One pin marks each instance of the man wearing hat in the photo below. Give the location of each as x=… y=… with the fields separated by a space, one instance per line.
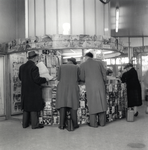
x=31 y=93
x=93 y=74
x=67 y=97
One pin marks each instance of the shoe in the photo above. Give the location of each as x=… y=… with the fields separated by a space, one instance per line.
x=92 y=126
x=136 y=114
x=61 y=127
x=25 y=126
x=39 y=126
x=76 y=127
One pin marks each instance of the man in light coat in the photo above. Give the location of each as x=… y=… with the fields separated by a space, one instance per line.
x=93 y=73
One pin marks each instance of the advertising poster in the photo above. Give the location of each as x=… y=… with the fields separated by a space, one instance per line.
x=16 y=60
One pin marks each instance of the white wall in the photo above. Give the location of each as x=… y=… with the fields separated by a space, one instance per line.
x=12 y=20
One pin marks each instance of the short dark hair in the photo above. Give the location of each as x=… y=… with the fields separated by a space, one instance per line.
x=73 y=60
x=128 y=65
x=89 y=54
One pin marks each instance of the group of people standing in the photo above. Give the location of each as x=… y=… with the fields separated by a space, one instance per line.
x=91 y=72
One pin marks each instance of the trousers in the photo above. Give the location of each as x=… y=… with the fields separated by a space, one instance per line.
x=73 y=114
x=30 y=118
x=101 y=119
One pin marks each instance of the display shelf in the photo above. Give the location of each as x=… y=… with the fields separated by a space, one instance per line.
x=116 y=104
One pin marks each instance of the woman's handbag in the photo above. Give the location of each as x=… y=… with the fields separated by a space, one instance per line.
x=130 y=115
x=69 y=124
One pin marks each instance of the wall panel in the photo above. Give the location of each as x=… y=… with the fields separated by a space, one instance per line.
x=31 y=18
x=135 y=42
x=48 y=16
x=8 y=20
x=77 y=17
x=125 y=41
x=89 y=17
x=99 y=18
x=63 y=14
x=39 y=17
x=21 y=19
x=145 y=41
x=51 y=14
x=107 y=20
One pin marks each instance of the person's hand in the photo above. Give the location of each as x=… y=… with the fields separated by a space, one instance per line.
x=47 y=79
x=54 y=78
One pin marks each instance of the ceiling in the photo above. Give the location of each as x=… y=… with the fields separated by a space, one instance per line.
x=133 y=18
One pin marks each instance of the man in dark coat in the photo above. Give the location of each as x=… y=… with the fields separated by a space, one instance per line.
x=31 y=91
x=93 y=73
x=130 y=77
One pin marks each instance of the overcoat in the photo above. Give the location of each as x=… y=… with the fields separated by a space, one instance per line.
x=31 y=90
x=67 y=88
x=134 y=96
x=93 y=74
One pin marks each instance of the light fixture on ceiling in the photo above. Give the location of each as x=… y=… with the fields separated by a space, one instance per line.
x=107 y=52
x=78 y=56
x=66 y=28
x=117 y=18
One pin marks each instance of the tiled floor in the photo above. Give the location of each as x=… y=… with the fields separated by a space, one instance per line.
x=117 y=135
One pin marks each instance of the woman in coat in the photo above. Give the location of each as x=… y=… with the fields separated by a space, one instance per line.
x=93 y=73
x=130 y=77
x=67 y=97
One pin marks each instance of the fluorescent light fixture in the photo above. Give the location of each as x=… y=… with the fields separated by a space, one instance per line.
x=106 y=29
x=71 y=54
x=78 y=56
x=66 y=28
x=107 y=52
x=117 y=19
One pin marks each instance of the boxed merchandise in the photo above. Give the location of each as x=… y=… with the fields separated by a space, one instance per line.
x=56 y=120
x=47 y=120
x=48 y=105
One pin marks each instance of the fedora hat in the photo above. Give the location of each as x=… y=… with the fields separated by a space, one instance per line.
x=32 y=54
x=73 y=60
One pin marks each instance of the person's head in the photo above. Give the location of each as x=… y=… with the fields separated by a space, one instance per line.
x=109 y=72
x=89 y=55
x=71 y=61
x=128 y=66
x=32 y=55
